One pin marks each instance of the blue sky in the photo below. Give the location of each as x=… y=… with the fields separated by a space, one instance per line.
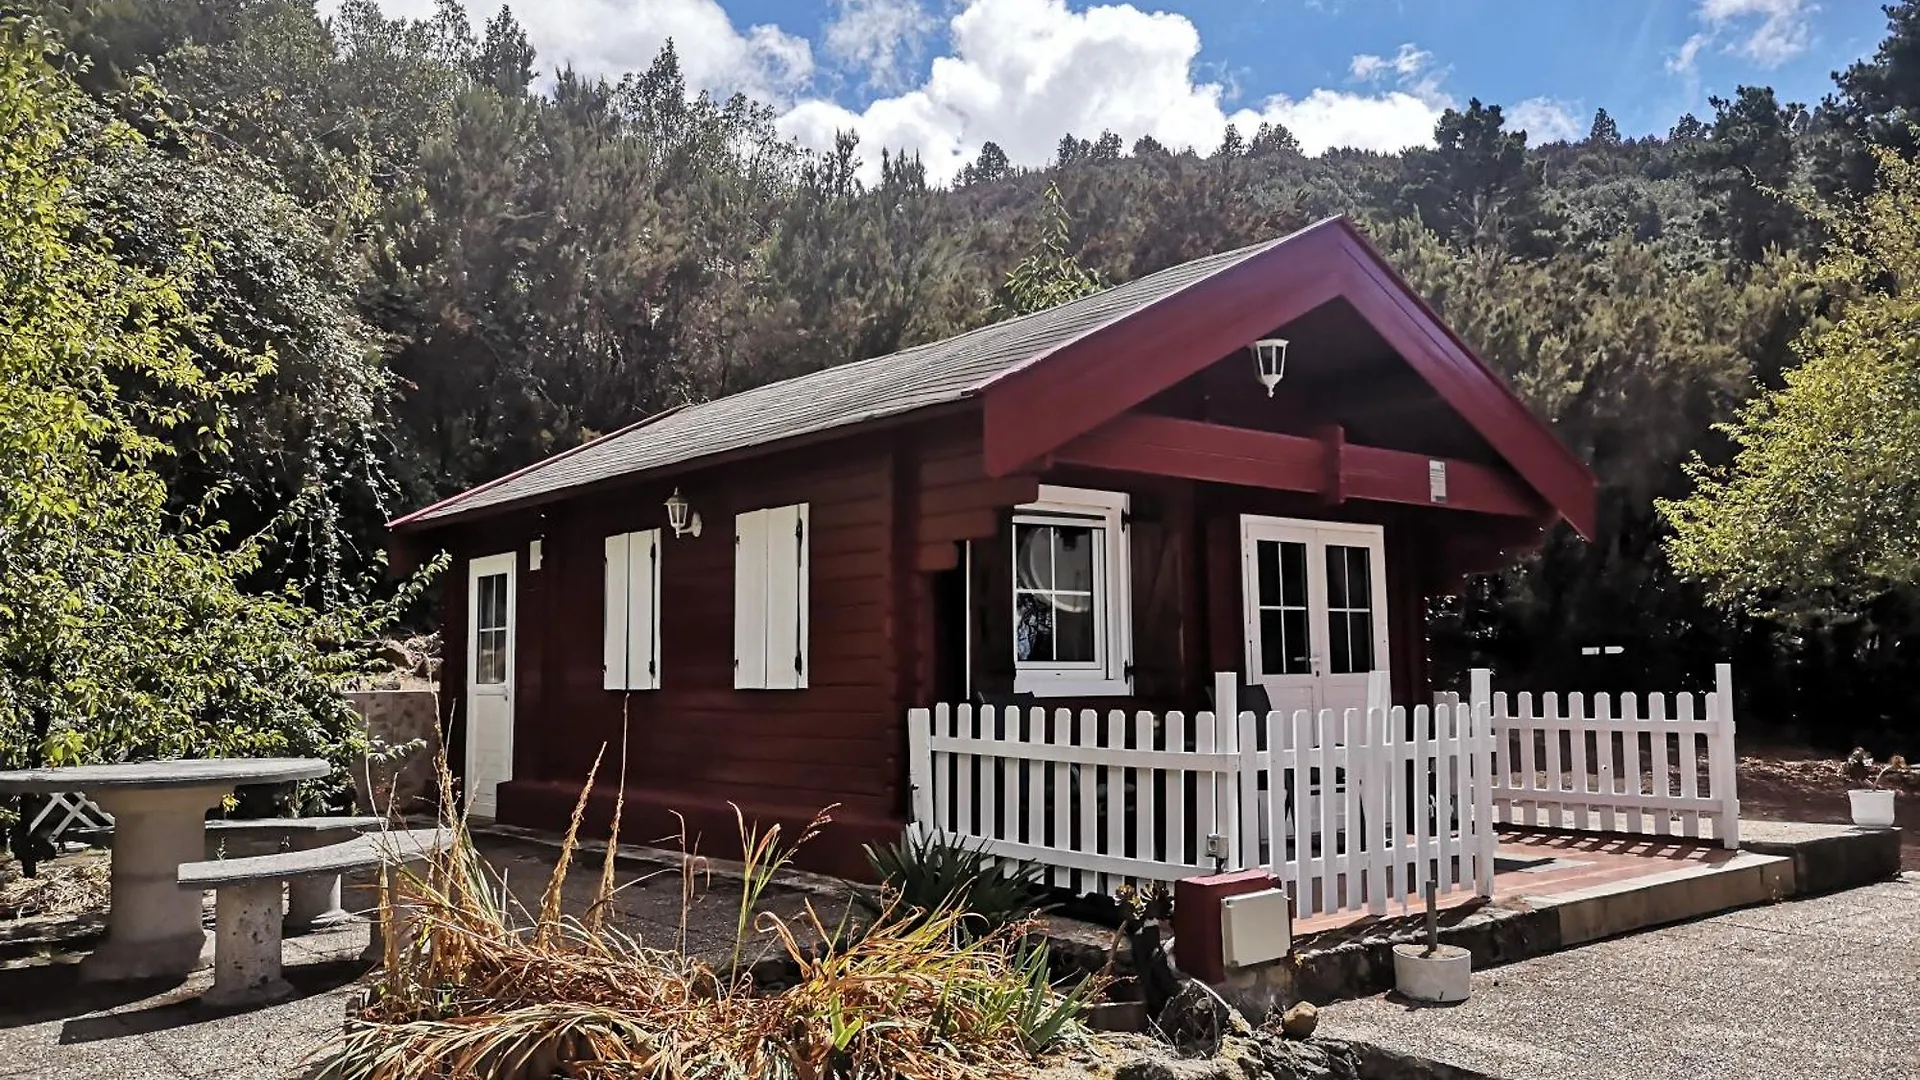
x=942 y=76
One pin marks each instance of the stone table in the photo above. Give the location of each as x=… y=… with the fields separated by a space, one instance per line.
x=159 y=822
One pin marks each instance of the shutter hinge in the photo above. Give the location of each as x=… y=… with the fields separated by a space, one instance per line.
x=1126 y=519
x=798 y=533
x=796 y=664
x=1126 y=670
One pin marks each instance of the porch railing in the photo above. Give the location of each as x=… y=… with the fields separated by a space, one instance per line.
x=1354 y=811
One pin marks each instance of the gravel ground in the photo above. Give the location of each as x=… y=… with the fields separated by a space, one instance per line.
x=1820 y=989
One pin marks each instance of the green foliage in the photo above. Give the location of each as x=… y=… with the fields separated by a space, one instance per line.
x=1050 y=275
x=125 y=629
x=931 y=872
x=452 y=274
x=1818 y=514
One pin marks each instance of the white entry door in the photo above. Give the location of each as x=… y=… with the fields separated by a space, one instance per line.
x=491 y=608
x=1315 y=610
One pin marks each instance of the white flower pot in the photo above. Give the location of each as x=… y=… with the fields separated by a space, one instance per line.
x=1872 y=807
x=1440 y=978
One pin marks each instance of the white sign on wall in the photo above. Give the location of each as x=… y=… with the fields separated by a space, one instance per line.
x=1436 y=480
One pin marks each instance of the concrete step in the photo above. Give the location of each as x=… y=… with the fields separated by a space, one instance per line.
x=1621 y=907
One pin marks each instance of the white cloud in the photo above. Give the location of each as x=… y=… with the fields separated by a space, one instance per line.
x=1544 y=120
x=878 y=36
x=1406 y=63
x=608 y=37
x=1767 y=32
x=1022 y=73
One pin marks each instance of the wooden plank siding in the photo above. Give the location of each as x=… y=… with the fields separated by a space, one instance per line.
x=697 y=743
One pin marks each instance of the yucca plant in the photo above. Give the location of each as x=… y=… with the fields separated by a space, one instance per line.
x=930 y=871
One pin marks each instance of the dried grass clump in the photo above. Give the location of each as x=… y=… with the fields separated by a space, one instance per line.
x=485 y=991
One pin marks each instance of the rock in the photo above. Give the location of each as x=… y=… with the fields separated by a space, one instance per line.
x=1299 y=1021
x=1317 y=1059
x=1195 y=1019
x=395 y=655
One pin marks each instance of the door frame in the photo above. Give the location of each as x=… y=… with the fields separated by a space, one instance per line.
x=506 y=562
x=1316 y=534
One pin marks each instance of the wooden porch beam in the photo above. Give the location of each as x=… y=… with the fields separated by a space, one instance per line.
x=1329 y=466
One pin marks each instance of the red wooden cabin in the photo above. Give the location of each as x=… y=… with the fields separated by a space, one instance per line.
x=1097 y=504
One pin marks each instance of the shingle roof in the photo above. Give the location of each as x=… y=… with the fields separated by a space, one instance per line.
x=935 y=373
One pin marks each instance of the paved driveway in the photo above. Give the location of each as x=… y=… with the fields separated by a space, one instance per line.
x=1820 y=989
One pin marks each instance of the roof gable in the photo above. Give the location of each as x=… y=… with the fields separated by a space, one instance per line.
x=1039 y=406
x=1053 y=375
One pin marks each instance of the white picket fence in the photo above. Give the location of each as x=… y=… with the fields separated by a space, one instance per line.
x=1661 y=767
x=1370 y=803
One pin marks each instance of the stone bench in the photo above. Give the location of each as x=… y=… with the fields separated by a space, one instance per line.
x=313 y=902
x=247 y=921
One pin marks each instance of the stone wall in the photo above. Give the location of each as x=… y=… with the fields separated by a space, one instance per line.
x=395 y=718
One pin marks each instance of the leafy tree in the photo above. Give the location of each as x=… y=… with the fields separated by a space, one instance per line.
x=1477 y=185
x=1050 y=275
x=125 y=631
x=990 y=167
x=1818 y=513
x=1604 y=131
x=1743 y=166
x=1877 y=101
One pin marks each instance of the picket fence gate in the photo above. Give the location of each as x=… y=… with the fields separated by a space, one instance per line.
x=1354 y=811
x=1659 y=767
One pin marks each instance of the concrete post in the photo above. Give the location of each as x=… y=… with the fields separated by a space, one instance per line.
x=313 y=902
x=246 y=967
x=153 y=924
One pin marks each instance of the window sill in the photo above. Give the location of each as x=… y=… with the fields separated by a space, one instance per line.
x=1043 y=684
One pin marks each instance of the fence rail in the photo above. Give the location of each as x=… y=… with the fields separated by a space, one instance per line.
x=1662 y=766
x=1354 y=811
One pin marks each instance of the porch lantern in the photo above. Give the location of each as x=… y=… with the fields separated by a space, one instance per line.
x=684 y=519
x=1271 y=356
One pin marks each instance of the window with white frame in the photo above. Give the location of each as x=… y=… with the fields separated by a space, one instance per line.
x=1072 y=615
x=770 y=599
x=631 y=642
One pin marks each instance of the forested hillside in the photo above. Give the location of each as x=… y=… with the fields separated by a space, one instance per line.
x=460 y=262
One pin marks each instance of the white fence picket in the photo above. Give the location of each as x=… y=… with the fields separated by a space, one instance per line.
x=1612 y=786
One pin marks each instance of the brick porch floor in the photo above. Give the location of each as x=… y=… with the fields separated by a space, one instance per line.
x=1577 y=861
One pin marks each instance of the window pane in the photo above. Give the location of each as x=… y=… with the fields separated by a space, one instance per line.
x=1266 y=557
x=1033 y=556
x=1273 y=636
x=1361 y=625
x=1074 y=629
x=1032 y=627
x=1299 y=648
x=1293 y=577
x=490 y=657
x=1339 y=660
x=1073 y=558
x=1360 y=579
x=1336 y=576
x=490 y=602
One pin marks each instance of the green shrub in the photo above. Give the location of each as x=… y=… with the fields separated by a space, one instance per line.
x=935 y=872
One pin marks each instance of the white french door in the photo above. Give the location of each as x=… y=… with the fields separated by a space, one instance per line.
x=1315 y=610
x=491 y=607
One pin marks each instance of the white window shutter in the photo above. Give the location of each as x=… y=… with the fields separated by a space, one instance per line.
x=750 y=600
x=803 y=540
x=613 y=655
x=643 y=610
x=784 y=537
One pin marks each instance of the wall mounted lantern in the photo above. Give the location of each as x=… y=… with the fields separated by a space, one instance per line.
x=684 y=519
x=1271 y=356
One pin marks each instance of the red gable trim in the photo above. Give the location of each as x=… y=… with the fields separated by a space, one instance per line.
x=1040 y=406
